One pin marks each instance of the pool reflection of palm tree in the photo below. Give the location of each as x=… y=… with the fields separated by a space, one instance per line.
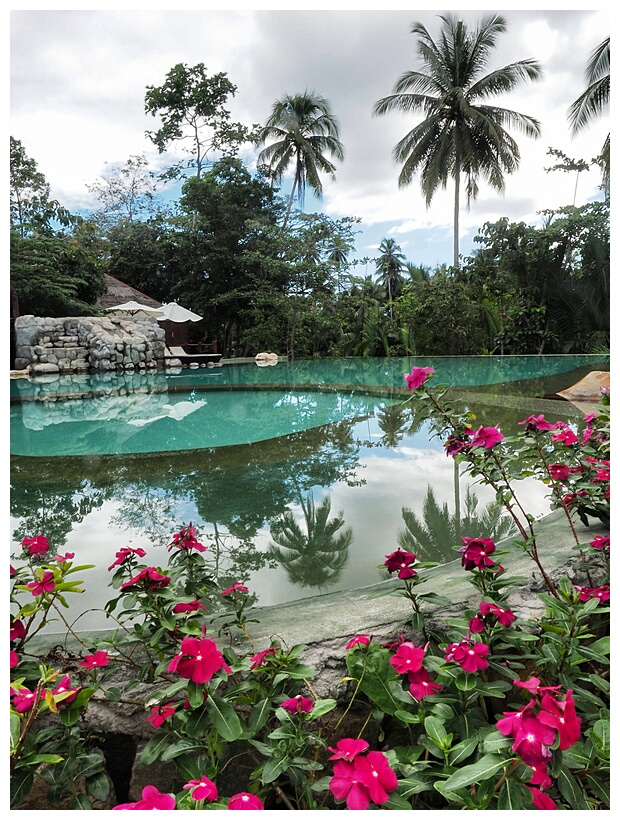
x=396 y=420
x=432 y=537
x=316 y=557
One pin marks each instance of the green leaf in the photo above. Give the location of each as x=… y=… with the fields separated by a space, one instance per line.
x=600 y=735
x=600 y=788
x=465 y=683
x=435 y=731
x=461 y=751
x=181 y=747
x=273 y=768
x=225 y=719
x=153 y=749
x=570 y=790
x=81 y=802
x=16 y=726
x=414 y=784
x=321 y=707
x=21 y=786
x=513 y=796
x=484 y=768
x=98 y=786
x=258 y=716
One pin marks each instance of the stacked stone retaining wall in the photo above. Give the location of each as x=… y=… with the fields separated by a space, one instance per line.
x=76 y=344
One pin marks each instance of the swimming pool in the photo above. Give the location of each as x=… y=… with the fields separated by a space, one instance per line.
x=328 y=429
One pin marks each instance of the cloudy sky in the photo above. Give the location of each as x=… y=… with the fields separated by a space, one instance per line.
x=78 y=81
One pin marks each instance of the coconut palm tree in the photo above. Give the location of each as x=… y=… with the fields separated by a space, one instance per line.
x=314 y=558
x=390 y=265
x=594 y=100
x=461 y=135
x=304 y=131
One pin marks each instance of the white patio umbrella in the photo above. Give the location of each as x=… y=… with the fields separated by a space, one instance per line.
x=176 y=313
x=134 y=307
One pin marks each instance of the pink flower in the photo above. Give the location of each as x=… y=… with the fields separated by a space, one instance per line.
x=259 y=659
x=191 y=606
x=244 y=800
x=99 y=658
x=585 y=593
x=123 y=554
x=66 y=557
x=150 y=577
x=418 y=376
x=487 y=437
x=561 y=714
x=476 y=553
x=421 y=685
x=408 y=658
x=160 y=714
x=65 y=686
x=538 y=423
x=359 y=640
x=37 y=546
x=13 y=658
x=600 y=542
x=363 y=779
x=198 y=660
x=24 y=699
x=470 y=656
x=533 y=686
x=532 y=740
x=400 y=560
x=456 y=442
x=565 y=436
x=236 y=587
x=152 y=799
x=541 y=800
x=540 y=776
x=298 y=705
x=18 y=630
x=348 y=748
x=490 y=612
x=185 y=539
x=203 y=789
x=45 y=584
x=559 y=472
x=510 y=723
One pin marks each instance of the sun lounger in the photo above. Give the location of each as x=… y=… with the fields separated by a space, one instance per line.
x=191 y=358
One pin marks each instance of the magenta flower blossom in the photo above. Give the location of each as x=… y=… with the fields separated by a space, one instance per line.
x=150 y=578
x=471 y=657
x=541 y=800
x=561 y=715
x=602 y=593
x=476 y=553
x=43 y=585
x=24 y=699
x=486 y=437
x=298 y=705
x=190 y=606
x=540 y=777
x=347 y=748
x=99 y=658
x=236 y=587
x=203 y=789
x=600 y=542
x=418 y=376
x=260 y=658
x=245 y=800
x=123 y=554
x=559 y=472
x=160 y=714
x=532 y=740
x=185 y=539
x=408 y=658
x=198 y=660
x=565 y=436
x=489 y=613
x=37 y=546
x=68 y=556
x=509 y=725
x=13 y=658
x=358 y=640
x=400 y=560
x=18 y=630
x=362 y=780
x=533 y=686
x=65 y=686
x=538 y=423
x=421 y=685
x=152 y=799
x=457 y=442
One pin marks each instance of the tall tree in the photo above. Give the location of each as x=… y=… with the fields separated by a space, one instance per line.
x=594 y=100
x=126 y=192
x=190 y=105
x=390 y=265
x=304 y=131
x=461 y=135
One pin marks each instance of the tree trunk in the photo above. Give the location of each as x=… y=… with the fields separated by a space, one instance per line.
x=457 y=191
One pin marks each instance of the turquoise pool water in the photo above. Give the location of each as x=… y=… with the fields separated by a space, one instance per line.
x=255 y=443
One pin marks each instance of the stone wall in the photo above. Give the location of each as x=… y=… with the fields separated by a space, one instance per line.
x=77 y=344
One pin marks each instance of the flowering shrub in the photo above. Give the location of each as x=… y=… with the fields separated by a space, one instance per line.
x=480 y=711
